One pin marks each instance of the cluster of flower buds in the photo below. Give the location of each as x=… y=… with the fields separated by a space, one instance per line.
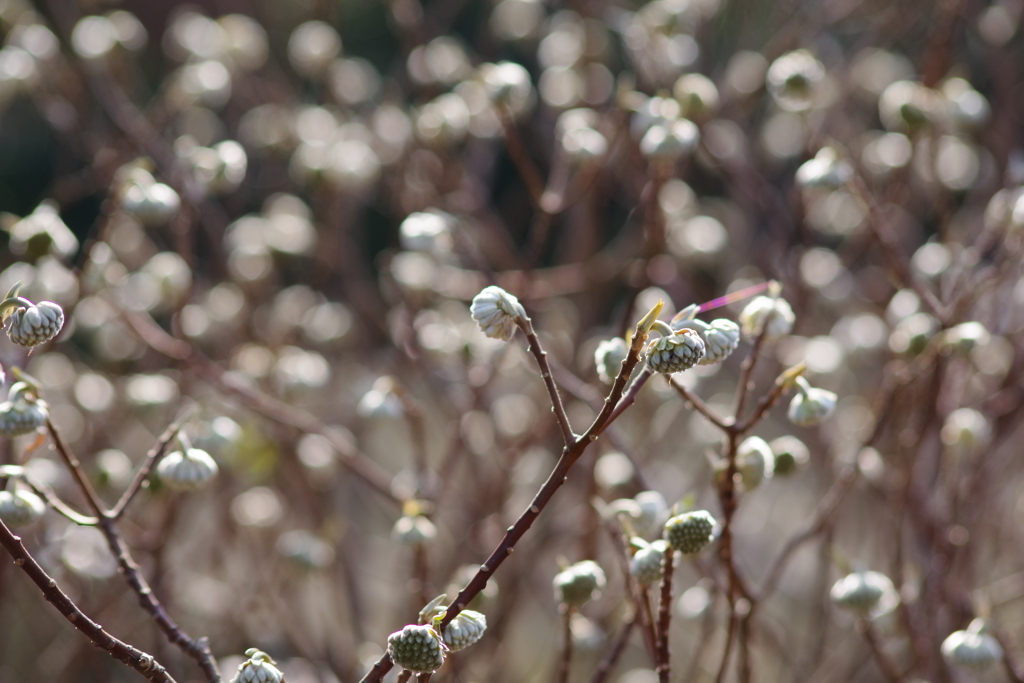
x=417 y=648
x=646 y=564
x=721 y=336
x=259 y=668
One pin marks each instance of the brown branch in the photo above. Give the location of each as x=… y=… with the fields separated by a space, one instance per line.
x=665 y=616
x=59 y=506
x=138 y=660
x=526 y=325
x=404 y=676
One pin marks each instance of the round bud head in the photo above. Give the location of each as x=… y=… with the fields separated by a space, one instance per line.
x=675 y=352
x=645 y=566
x=187 y=470
x=259 y=668
x=413 y=530
x=973 y=648
x=153 y=204
x=496 y=312
x=19 y=507
x=417 y=648
x=777 y=313
x=690 y=532
x=810 y=406
x=608 y=358
x=578 y=584
x=861 y=592
x=21 y=415
x=583 y=145
x=464 y=630
x=508 y=84
x=754 y=461
x=790 y=454
x=721 y=337
x=33 y=325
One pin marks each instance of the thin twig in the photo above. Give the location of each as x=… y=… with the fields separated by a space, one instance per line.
x=526 y=325
x=152 y=460
x=138 y=660
x=699 y=405
x=665 y=616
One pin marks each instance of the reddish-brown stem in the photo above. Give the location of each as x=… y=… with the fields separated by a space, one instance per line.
x=665 y=616
x=137 y=659
x=565 y=660
x=404 y=676
x=526 y=325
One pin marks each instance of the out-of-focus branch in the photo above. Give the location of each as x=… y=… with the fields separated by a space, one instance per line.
x=526 y=325
x=152 y=460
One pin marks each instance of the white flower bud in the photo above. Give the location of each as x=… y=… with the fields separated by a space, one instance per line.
x=579 y=583
x=675 y=352
x=417 y=648
x=20 y=507
x=973 y=648
x=608 y=358
x=862 y=591
x=826 y=171
x=754 y=461
x=259 y=668
x=465 y=630
x=810 y=406
x=793 y=79
x=753 y=317
x=35 y=324
x=496 y=312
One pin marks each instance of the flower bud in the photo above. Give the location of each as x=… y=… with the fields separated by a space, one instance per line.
x=754 y=461
x=21 y=414
x=721 y=337
x=417 y=648
x=790 y=454
x=187 y=470
x=608 y=358
x=259 y=668
x=810 y=406
x=496 y=312
x=20 y=507
x=861 y=591
x=973 y=648
x=413 y=530
x=670 y=140
x=690 y=532
x=35 y=324
x=579 y=583
x=464 y=630
x=826 y=171
x=645 y=566
x=754 y=315
x=793 y=78
x=675 y=352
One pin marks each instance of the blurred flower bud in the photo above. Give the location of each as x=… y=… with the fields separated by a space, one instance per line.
x=862 y=591
x=608 y=358
x=579 y=583
x=964 y=338
x=19 y=506
x=810 y=405
x=697 y=96
x=793 y=79
x=22 y=412
x=754 y=461
x=669 y=141
x=43 y=232
x=909 y=106
x=187 y=470
x=973 y=648
x=427 y=231
x=966 y=431
x=645 y=566
x=825 y=171
x=508 y=84
x=413 y=530
x=776 y=312
x=790 y=454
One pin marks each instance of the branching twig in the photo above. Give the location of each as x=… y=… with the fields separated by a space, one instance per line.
x=526 y=325
x=137 y=659
x=152 y=460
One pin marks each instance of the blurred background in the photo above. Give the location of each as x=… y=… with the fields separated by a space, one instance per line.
x=279 y=211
